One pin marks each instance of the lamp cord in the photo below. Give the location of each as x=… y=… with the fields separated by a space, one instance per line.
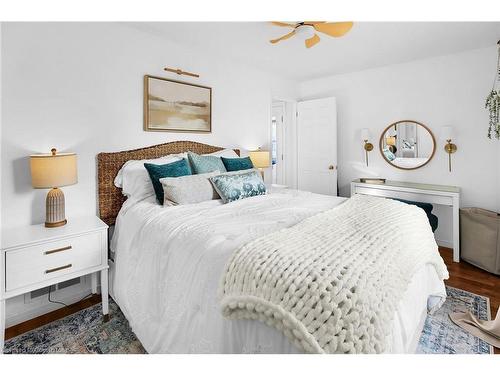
x=62 y=303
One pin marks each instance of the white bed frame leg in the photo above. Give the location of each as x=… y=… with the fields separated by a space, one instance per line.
x=104 y=294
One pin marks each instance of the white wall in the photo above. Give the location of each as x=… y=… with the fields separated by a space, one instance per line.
x=448 y=90
x=1 y=100
x=78 y=87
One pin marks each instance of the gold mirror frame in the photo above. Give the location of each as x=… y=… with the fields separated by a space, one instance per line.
x=399 y=122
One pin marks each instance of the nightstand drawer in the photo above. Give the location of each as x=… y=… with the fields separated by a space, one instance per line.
x=38 y=263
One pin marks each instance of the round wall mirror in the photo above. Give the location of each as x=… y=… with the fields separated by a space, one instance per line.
x=407 y=144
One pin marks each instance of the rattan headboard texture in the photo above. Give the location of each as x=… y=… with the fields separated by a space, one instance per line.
x=109 y=163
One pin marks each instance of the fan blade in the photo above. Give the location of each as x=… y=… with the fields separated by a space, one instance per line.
x=283 y=24
x=312 y=41
x=289 y=35
x=335 y=29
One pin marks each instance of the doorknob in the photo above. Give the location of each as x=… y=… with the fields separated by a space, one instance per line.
x=331 y=167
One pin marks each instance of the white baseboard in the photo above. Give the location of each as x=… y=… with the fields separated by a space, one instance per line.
x=444 y=243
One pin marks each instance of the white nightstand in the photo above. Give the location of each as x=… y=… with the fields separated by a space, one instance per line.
x=35 y=257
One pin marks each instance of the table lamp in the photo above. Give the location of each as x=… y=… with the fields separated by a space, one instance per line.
x=390 y=141
x=260 y=159
x=51 y=171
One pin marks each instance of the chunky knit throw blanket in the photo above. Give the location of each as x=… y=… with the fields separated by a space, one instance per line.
x=332 y=283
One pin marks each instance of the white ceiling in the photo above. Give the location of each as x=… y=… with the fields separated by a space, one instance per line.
x=367 y=45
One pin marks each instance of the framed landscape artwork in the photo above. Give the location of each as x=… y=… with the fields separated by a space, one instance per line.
x=176 y=106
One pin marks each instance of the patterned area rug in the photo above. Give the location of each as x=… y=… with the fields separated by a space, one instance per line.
x=81 y=333
x=85 y=332
x=442 y=336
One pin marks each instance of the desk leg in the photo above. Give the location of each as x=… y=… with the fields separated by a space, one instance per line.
x=104 y=294
x=2 y=324
x=93 y=282
x=456 y=230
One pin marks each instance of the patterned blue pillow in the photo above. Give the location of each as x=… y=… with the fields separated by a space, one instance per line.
x=235 y=186
x=237 y=164
x=388 y=154
x=205 y=163
x=175 y=169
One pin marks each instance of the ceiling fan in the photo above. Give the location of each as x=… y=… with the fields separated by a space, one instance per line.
x=307 y=30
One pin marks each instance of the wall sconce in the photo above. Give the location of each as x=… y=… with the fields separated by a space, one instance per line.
x=365 y=136
x=450 y=148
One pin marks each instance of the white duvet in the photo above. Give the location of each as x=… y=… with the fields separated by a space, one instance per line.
x=169 y=262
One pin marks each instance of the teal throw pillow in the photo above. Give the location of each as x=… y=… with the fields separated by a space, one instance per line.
x=388 y=154
x=175 y=169
x=205 y=163
x=237 y=164
x=232 y=187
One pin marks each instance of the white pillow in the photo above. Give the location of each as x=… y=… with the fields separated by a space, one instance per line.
x=194 y=188
x=226 y=153
x=134 y=180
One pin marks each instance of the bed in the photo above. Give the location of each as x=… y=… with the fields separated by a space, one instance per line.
x=409 y=162
x=168 y=263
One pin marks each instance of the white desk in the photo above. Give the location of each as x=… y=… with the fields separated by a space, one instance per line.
x=425 y=193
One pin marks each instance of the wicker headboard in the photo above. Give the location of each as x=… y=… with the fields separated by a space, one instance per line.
x=109 y=163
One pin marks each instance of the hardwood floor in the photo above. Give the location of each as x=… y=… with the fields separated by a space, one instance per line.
x=41 y=320
x=462 y=275
x=468 y=277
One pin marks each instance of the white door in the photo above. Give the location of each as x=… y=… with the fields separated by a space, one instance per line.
x=278 y=151
x=317 y=146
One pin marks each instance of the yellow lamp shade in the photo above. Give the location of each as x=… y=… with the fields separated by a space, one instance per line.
x=53 y=170
x=390 y=141
x=260 y=158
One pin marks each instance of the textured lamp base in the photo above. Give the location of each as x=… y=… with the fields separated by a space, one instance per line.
x=54 y=206
x=261 y=170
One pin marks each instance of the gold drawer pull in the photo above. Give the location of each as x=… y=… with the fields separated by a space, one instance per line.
x=59 y=268
x=58 y=250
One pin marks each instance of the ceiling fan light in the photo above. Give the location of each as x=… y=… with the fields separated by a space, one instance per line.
x=305 y=32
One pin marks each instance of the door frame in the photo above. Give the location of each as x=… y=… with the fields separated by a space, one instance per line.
x=281 y=146
x=289 y=162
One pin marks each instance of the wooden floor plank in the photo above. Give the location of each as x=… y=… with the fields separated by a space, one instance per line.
x=42 y=320
x=462 y=275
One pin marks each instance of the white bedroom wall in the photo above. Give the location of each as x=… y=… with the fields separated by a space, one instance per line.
x=448 y=90
x=79 y=87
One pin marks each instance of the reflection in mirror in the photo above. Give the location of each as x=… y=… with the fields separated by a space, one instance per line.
x=407 y=144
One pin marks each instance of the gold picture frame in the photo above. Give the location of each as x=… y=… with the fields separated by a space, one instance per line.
x=176 y=106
